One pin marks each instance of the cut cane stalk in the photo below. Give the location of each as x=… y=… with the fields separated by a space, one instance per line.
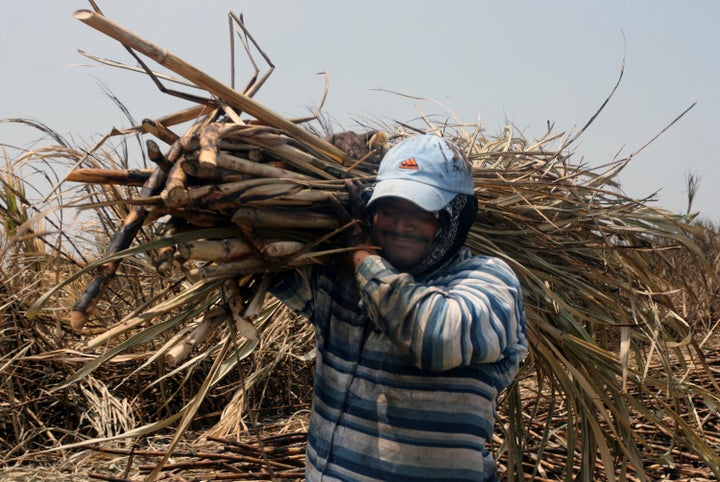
x=252 y=266
x=190 y=143
x=235 y=302
x=282 y=249
x=165 y=257
x=234 y=193
x=243 y=326
x=254 y=154
x=267 y=192
x=305 y=198
x=156 y=156
x=200 y=219
x=303 y=161
x=240 y=131
x=268 y=139
x=121 y=240
x=245 y=323
x=248 y=151
x=182 y=349
x=192 y=168
x=182 y=116
x=208 y=138
x=226 y=270
x=125 y=177
x=175 y=194
x=217 y=250
x=283 y=218
x=160 y=131
x=231 y=249
x=256 y=135
x=246 y=166
x=174 y=153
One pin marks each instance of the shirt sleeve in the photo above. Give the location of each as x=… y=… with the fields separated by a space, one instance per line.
x=294 y=290
x=471 y=314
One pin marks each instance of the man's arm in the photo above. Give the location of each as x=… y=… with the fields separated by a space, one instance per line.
x=473 y=314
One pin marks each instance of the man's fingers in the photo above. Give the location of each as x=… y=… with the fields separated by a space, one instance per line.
x=340 y=210
x=354 y=189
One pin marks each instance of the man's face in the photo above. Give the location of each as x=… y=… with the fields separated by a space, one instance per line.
x=404 y=231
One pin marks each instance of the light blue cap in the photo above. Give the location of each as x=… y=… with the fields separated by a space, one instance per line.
x=427 y=170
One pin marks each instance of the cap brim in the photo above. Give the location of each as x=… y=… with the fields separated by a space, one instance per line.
x=427 y=197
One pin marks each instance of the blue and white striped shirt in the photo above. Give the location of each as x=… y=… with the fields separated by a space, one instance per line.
x=408 y=370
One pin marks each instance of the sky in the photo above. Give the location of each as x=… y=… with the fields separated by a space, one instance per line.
x=524 y=63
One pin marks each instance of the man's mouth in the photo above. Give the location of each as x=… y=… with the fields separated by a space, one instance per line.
x=404 y=237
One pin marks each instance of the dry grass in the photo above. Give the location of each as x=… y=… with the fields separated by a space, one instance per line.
x=134 y=389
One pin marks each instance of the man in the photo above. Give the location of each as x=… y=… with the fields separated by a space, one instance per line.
x=416 y=341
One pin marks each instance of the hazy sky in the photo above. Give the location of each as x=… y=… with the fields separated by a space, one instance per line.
x=521 y=62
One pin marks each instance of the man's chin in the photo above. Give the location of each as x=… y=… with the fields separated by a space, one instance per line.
x=400 y=263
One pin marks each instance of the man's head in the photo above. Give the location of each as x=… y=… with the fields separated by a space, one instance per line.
x=423 y=203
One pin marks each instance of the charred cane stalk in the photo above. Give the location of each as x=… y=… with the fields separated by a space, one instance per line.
x=123 y=177
x=120 y=241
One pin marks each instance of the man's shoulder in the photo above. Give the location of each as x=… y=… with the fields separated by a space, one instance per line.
x=466 y=261
x=466 y=256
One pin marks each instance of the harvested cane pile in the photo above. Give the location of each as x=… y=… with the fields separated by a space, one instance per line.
x=243 y=195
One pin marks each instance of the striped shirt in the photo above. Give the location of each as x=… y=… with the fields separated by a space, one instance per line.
x=408 y=370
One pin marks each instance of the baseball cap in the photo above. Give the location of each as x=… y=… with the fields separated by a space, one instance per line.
x=426 y=169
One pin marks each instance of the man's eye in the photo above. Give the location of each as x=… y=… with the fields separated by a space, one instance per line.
x=427 y=218
x=388 y=211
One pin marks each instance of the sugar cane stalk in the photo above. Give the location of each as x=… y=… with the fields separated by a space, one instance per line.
x=305 y=197
x=218 y=250
x=185 y=115
x=285 y=218
x=125 y=177
x=231 y=96
x=302 y=160
x=251 y=266
x=234 y=193
x=196 y=218
x=235 y=302
x=183 y=348
x=245 y=166
x=164 y=257
x=208 y=146
x=160 y=131
x=156 y=155
x=175 y=194
x=121 y=240
x=194 y=169
x=231 y=249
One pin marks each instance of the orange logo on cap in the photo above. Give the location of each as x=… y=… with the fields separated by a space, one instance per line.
x=409 y=164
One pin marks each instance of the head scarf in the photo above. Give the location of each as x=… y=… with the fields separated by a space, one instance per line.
x=455 y=220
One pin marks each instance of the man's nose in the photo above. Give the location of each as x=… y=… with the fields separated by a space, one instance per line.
x=405 y=224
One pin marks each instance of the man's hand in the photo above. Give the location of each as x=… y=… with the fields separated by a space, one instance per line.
x=357 y=234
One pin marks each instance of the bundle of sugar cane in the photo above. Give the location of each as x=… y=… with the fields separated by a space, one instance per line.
x=583 y=251
x=274 y=191
x=221 y=173
x=587 y=256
